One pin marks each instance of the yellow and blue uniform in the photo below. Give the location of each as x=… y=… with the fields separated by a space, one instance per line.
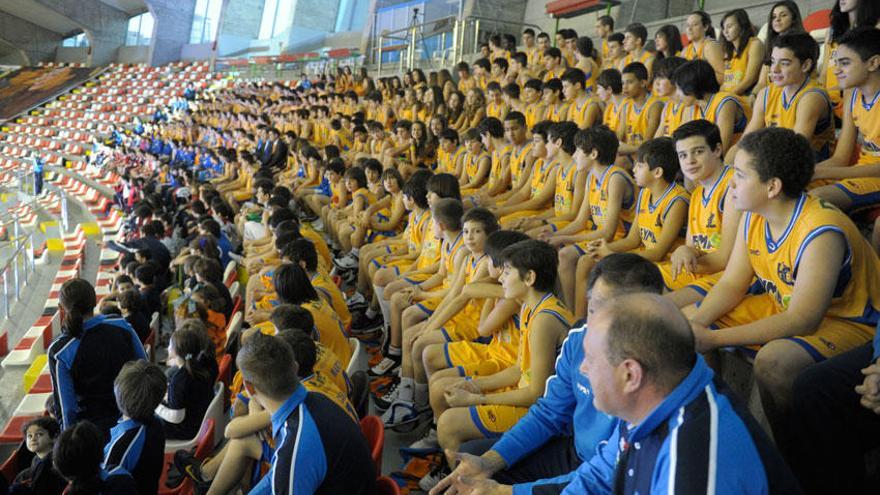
x=563 y=194
x=329 y=328
x=781 y=110
x=534 y=114
x=713 y=110
x=417 y=227
x=429 y=255
x=499 y=111
x=493 y=420
x=495 y=170
x=318 y=383
x=448 y=252
x=651 y=215
x=735 y=68
x=472 y=168
x=577 y=113
x=635 y=119
x=331 y=293
x=611 y=115
x=517 y=162
x=673 y=115
x=597 y=195
x=864 y=191
x=705 y=214
x=540 y=175
x=558 y=112
x=475 y=358
x=464 y=326
x=384 y=215
x=644 y=58
x=851 y=318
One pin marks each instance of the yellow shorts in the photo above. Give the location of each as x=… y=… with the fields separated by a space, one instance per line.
x=862 y=191
x=475 y=359
x=464 y=326
x=493 y=420
x=242 y=195
x=556 y=224
x=429 y=305
x=834 y=335
x=416 y=278
x=699 y=282
x=519 y=214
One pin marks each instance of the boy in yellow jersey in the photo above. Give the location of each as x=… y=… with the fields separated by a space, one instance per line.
x=607 y=208
x=303 y=253
x=634 y=38
x=386 y=283
x=519 y=161
x=340 y=227
x=495 y=106
x=398 y=150
x=530 y=47
x=379 y=140
x=466 y=80
x=663 y=88
x=556 y=108
x=498 y=74
x=661 y=214
x=537 y=62
x=820 y=277
x=519 y=71
x=485 y=407
x=583 y=110
x=615 y=52
x=711 y=229
x=322 y=204
x=360 y=144
x=553 y=64
x=567 y=46
x=532 y=102
x=492 y=136
x=609 y=90
x=640 y=113
x=454 y=319
x=696 y=84
x=604 y=29
x=858 y=72
x=449 y=153
x=794 y=100
x=476 y=163
x=482 y=69
x=535 y=195
x=340 y=136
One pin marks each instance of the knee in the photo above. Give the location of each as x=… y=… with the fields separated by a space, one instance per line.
x=434 y=357
x=569 y=256
x=774 y=368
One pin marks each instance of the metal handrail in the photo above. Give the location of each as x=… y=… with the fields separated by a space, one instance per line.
x=24 y=251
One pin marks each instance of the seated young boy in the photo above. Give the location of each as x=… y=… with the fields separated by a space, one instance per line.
x=639 y=114
x=487 y=406
x=534 y=196
x=659 y=223
x=452 y=320
x=820 y=277
x=40 y=478
x=476 y=164
x=137 y=443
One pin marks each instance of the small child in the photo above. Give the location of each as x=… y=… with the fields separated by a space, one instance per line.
x=40 y=478
x=190 y=380
x=137 y=442
x=77 y=457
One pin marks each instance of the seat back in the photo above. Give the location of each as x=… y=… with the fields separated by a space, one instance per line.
x=358 y=360
x=230 y=274
x=374 y=432
x=387 y=486
x=234 y=289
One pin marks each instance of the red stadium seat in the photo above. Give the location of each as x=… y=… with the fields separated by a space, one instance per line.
x=820 y=19
x=387 y=486
x=203 y=450
x=374 y=432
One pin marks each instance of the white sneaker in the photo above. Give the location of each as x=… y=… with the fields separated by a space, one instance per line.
x=427 y=442
x=356 y=300
x=401 y=413
x=347 y=262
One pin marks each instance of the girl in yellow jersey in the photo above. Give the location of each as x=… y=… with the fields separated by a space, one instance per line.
x=341 y=227
x=794 y=100
x=476 y=164
x=820 y=277
x=485 y=407
x=857 y=186
x=743 y=53
x=701 y=46
x=661 y=214
x=584 y=55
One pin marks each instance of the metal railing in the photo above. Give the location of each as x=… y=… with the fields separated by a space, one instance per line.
x=19 y=267
x=437 y=41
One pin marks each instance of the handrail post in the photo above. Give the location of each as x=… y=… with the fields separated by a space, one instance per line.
x=381 y=44
x=476 y=36
x=6 y=292
x=412 y=47
x=455 y=32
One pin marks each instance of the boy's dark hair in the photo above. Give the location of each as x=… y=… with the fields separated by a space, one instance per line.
x=129 y=301
x=542 y=128
x=533 y=256
x=514 y=116
x=302 y=250
x=638 y=30
x=483 y=216
x=77 y=456
x=449 y=134
x=553 y=52
x=584 y=46
x=357 y=174
x=575 y=77
x=637 y=69
x=529 y=31
x=139 y=388
x=145 y=274
x=601 y=139
x=615 y=38
x=281 y=215
x=665 y=67
x=305 y=351
x=660 y=152
x=209 y=269
x=491 y=126
x=417 y=188
x=267 y=363
x=373 y=164
x=462 y=66
x=564 y=131
x=292 y=284
x=802 y=45
x=498 y=241
x=210 y=225
x=44 y=422
x=777 y=152
x=865 y=41
x=336 y=166
x=146 y=254
x=292 y=316
x=611 y=78
x=521 y=57
x=445 y=185
x=554 y=85
x=502 y=63
x=448 y=212
x=512 y=90
x=708 y=130
x=472 y=134
x=607 y=20
x=535 y=84
x=483 y=63
x=696 y=78
x=627 y=273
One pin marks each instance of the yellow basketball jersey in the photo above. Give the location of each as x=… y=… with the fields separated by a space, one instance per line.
x=430 y=248
x=706 y=211
x=643 y=58
x=416 y=230
x=557 y=113
x=867 y=120
x=554 y=74
x=775 y=261
x=565 y=182
x=318 y=383
x=652 y=214
x=495 y=170
x=548 y=304
x=611 y=116
x=636 y=120
x=577 y=111
x=713 y=108
x=673 y=115
x=517 y=162
x=498 y=111
x=447 y=256
x=781 y=110
x=693 y=52
x=368 y=197
x=327 y=288
x=735 y=68
x=329 y=365
x=597 y=195
x=540 y=174
x=329 y=328
x=472 y=164
x=534 y=114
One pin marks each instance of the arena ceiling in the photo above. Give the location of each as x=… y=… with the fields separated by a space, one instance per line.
x=41 y=13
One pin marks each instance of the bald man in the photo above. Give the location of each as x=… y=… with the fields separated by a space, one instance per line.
x=681 y=430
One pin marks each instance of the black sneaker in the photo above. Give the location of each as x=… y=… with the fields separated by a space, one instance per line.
x=364 y=324
x=186 y=463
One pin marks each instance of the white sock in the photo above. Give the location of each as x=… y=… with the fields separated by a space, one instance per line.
x=405 y=390
x=384 y=305
x=356 y=252
x=393 y=351
x=421 y=394
x=371 y=313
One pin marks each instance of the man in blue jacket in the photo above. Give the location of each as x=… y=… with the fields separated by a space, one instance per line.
x=681 y=430
x=563 y=429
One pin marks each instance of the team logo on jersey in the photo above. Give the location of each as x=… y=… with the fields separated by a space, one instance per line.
x=710 y=222
x=783 y=272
